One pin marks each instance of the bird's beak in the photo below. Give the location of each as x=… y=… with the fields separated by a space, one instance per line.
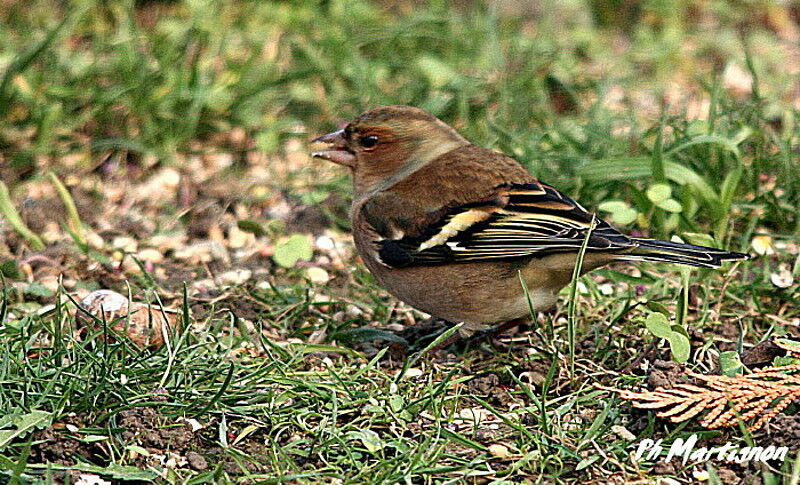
x=337 y=151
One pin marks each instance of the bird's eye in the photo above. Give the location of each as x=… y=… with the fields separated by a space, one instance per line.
x=369 y=141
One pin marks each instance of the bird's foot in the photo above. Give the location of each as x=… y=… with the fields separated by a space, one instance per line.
x=488 y=335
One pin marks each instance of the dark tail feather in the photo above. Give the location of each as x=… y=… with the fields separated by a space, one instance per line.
x=671 y=252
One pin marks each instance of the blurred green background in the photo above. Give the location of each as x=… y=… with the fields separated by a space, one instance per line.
x=595 y=96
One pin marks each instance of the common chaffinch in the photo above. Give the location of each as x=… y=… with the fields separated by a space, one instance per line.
x=450 y=227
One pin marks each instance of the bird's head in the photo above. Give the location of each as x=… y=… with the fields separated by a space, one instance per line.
x=385 y=144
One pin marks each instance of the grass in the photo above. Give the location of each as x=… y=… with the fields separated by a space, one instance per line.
x=181 y=127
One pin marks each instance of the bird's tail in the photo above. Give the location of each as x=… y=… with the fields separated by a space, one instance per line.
x=654 y=250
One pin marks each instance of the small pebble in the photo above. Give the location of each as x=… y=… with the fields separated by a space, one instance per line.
x=150 y=255
x=499 y=451
x=325 y=243
x=234 y=277
x=317 y=275
x=125 y=243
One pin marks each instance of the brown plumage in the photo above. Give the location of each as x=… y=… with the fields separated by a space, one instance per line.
x=450 y=227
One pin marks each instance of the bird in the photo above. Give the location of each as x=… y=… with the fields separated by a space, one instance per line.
x=467 y=234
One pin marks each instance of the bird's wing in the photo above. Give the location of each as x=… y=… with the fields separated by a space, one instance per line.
x=522 y=220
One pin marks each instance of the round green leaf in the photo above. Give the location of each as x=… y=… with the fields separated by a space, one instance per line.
x=370 y=439
x=625 y=216
x=659 y=192
x=670 y=205
x=680 y=347
x=613 y=206
x=730 y=364
x=296 y=247
x=658 y=325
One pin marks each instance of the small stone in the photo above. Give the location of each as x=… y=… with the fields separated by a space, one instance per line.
x=130 y=266
x=353 y=311
x=104 y=301
x=317 y=275
x=169 y=177
x=202 y=252
x=166 y=242
x=318 y=336
x=239 y=239
x=325 y=243
x=150 y=255
x=783 y=278
x=412 y=372
x=738 y=81
x=125 y=243
x=234 y=277
x=94 y=240
x=144 y=324
x=51 y=233
x=50 y=282
x=499 y=451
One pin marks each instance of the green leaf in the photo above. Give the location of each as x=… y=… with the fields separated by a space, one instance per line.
x=657 y=307
x=314 y=197
x=729 y=186
x=10 y=269
x=631 y=168
x=621 y=212
x=782 y=360
x=11 y=215
x=613 y=206
x=679 y=345
x=726 y=143
x=625 y=216
x=114 y=471
x=370 y=439
x=680 y=330
x=38 y=290
x=670 y=205
x=659 y=192
x=252 y=227
x=366 y=334
x=586 y=462
x=24 y=424
x=296 y=247
x=658 y=325
x=730 y=364
x=699 y=238
x=93 y=438
x=742 y=135
x=396 y=403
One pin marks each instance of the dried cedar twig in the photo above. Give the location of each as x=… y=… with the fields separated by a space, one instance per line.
x=727 y=400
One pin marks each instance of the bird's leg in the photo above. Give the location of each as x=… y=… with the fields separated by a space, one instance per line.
x=480 y=336
x=490 y=334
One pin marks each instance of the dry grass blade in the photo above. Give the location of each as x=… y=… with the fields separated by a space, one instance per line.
x=726 y=400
